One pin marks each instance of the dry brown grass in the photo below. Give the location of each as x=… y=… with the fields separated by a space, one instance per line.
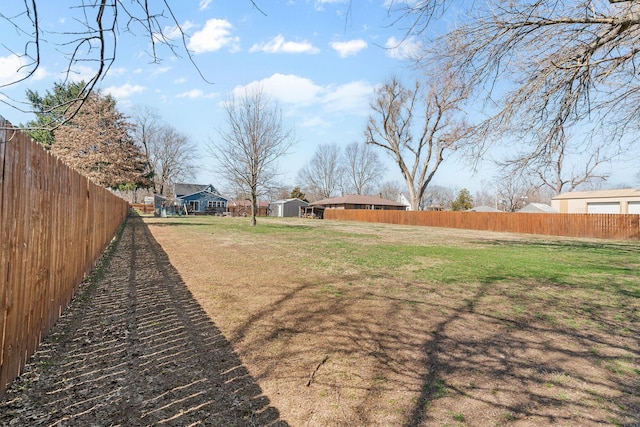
x=336 y=343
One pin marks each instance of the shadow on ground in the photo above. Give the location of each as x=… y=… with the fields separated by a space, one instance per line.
x=136 y=349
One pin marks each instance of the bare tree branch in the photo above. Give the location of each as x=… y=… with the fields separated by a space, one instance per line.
x=252 y=143
x=443 y=129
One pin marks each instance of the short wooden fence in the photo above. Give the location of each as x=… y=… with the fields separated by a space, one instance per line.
x=54 y=225
x=142 y=208
x=603 y=226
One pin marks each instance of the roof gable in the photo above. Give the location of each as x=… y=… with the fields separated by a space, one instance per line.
x=184 y=190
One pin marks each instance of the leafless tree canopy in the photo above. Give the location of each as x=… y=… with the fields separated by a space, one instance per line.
x=557 y=168
x=363 y=169
x=250 y=146
x=322 y=176
x=169 y=152
x=391 y=190
x=441 y=129
x=543 y=67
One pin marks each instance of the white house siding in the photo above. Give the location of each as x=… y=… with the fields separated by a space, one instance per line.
x=634 y=207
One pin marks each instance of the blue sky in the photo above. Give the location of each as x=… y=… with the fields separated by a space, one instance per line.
x=320 y=59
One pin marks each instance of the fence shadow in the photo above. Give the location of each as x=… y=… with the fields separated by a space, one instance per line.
x=136 y=349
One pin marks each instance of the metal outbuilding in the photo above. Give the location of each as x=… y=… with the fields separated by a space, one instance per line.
x=287 y=207
x=619 y=201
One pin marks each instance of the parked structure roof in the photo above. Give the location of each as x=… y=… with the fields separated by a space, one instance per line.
x=538 y=208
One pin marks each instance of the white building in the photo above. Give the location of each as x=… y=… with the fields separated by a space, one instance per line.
x=621 y=201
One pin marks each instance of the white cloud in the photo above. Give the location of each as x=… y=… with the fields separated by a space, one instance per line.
x=285 y=88
x=348 y=48
x=117 y=72
x=353 y=97
x=81 y=73
x=192 y=94
x=319 y=4
x=300 y=92
x=314 y=122
x=124 y=91
x=11 y=69
x=279 y=45
x=215 y=35
x=160 y=70
x=204 y=4
x=179 y=81
x=173 y=33
x=408 y=48
x=40 y=74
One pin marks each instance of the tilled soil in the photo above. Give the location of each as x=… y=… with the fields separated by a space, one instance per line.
x=135 y=349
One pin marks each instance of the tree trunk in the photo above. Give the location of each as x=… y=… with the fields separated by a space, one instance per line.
x=254 y=208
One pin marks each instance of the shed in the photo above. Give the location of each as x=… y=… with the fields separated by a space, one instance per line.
x=537 y=208
x=619 y=201
x=287 y=207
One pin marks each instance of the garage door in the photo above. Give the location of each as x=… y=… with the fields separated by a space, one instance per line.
x=634 y=207
x=603 y=208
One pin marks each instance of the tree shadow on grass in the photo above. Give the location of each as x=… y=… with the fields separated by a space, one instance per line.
x=136 y=349
x=477 y=365
x=528 y=368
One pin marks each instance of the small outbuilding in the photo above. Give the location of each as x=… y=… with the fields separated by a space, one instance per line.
x=619 y=201
x=287 y=207
x=537 y=208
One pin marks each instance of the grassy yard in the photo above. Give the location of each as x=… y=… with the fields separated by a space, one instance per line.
x=375 y=324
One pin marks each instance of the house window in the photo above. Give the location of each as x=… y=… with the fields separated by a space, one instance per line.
x=211 y=204
x=194 y=205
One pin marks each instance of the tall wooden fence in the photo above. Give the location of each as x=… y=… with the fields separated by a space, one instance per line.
x=605 y=226
x=54 y=225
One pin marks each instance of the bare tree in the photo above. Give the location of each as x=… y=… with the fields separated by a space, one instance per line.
x=544 y=67
x=362 y=168
x=557 y=166
x=391 y=190
x=436 y=110
x=171 y=156
x=322 y=175
x=438 y=197
x=169 y=152
x=513 y=193
x=249 y=148
x=97 y=143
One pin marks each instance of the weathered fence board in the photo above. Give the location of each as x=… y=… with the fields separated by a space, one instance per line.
x=54 y=225
x=604 y=226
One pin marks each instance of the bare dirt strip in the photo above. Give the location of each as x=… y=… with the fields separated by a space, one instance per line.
x=136 y=349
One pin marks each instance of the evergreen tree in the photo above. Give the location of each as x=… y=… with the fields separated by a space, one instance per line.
x=463 y=202
x=51 y=110
x=97 y=142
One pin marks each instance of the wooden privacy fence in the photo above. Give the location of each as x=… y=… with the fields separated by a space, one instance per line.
x=54 y=225
x=605 y=226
